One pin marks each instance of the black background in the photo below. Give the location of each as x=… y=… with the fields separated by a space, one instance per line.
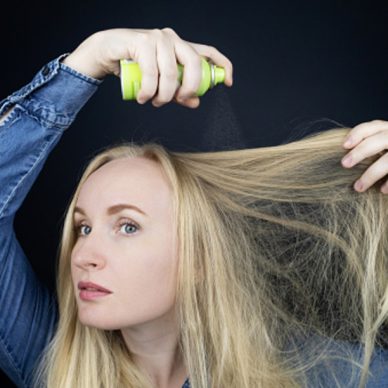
x=299 y=66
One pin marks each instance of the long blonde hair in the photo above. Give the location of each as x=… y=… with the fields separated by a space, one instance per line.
x=278 y=256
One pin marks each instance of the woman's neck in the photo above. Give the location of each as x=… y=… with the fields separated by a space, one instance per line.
x=155 y=348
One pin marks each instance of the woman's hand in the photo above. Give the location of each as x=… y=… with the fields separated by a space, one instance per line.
x=157 y=51
x=368 y=139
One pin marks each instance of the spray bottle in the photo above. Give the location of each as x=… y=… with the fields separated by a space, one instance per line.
x=130 y=75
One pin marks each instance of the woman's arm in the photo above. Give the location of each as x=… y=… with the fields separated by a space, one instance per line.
x=32 y=121
x=36 y=117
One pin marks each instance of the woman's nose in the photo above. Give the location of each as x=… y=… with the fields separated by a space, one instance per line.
x=88 y=254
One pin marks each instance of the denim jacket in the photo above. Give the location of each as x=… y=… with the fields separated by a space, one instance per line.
x=42 y=111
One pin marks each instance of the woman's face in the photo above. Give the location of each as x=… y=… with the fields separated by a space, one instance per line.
x=133 y=255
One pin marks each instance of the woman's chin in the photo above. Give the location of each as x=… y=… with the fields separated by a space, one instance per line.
x=97 y=322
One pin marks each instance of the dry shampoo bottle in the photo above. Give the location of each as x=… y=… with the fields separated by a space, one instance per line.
x=130 y=76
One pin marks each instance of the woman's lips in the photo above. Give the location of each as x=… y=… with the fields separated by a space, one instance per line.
x=89 y=291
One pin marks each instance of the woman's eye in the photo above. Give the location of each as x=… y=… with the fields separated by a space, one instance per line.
x=129 y=227
x=79 y=229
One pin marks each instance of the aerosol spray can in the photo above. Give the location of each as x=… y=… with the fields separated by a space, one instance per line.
x=130 y=75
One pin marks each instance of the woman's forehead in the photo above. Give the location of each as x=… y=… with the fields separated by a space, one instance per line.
x=136 y=181
x=128 y=172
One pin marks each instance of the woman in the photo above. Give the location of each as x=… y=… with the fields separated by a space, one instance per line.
x=249 y=268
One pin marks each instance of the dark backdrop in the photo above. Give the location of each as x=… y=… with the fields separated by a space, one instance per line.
x=299 y=66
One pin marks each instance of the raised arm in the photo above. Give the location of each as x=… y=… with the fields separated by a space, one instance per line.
x=37 y=116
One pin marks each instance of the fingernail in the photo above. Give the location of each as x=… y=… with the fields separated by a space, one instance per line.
x=348 y=142
x=384 y=188
x=140 y=98
x=359 y=185
x=347 y=160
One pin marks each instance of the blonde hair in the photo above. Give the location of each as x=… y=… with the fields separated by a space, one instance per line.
x=286 y=251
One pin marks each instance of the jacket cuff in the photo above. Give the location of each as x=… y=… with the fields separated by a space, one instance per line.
x=56 y=104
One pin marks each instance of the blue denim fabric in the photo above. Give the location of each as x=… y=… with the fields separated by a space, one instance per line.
x=42 y=111
x=336 y=370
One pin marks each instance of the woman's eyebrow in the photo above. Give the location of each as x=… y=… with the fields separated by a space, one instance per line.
x=114 y=209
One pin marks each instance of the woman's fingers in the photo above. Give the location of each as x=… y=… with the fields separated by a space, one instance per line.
x=190 y=55
x=160 y=75
x=217 y=58
x=373 y=173
x=192 y=72
x=363 y=130
x=369 y=146
x=168 y=70
x=191 y=60
x=368 y=139
x=158 y=52
x=192 y=102
x=149 y=70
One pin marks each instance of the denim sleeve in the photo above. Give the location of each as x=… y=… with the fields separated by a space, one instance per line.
x=338 y=371
x=42 y=111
